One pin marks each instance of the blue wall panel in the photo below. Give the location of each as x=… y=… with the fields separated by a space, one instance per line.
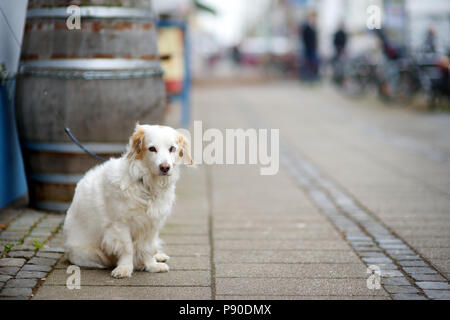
x=12 y=175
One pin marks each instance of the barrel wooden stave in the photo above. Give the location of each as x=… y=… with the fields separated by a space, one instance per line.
x=98 y=38
x=94 y=110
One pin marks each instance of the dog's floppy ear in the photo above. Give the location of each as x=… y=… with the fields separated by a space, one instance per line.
x=184 y=149
x=137 y=143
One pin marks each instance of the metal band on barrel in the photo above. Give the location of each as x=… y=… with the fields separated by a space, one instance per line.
x=51 y=205
x=92 y=12
x=61 y=147
x=53 y=178
x=92 y=69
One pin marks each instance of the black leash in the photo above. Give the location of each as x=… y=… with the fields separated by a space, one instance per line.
x=78 y=143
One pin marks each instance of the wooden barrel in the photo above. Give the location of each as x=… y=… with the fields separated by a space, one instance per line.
x=98 y=80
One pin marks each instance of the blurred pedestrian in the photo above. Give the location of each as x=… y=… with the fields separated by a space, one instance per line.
x=339 y=41
x=308 y=37
x=236 y=55
x=430 y=40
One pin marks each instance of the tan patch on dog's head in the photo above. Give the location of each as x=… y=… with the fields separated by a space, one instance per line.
x=137 y=143
x=184 y=152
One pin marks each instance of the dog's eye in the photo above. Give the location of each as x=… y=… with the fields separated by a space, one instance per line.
x=172 y=149
x=152 y=149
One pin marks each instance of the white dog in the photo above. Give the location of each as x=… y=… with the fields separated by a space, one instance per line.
x=120 y=206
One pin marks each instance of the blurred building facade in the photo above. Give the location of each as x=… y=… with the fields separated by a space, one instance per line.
x=405 y=21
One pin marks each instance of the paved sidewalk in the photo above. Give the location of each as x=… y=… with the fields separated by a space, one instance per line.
x=30 y=245
x=358 y=185
x=379 y=175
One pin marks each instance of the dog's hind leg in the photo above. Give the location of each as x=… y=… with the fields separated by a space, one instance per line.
x=87 y=257
x=159 y=256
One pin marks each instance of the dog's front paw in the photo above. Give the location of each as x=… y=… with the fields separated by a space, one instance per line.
x=157 y=267
x=161 y=257
x=124 y=271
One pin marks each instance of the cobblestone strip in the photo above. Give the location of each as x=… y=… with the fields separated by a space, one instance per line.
x=31 y=246
x=404 y=274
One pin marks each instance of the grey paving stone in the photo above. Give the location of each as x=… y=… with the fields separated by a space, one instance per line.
x=280 y=244
x=372 y=254
x=394 y=246
x=376 y=260
x=435 y=253
x=31 y=241
x=21 y=254
x=52 y=249
x=258 y=286
x=430 y=242
x=40 y=234
x=14 y=292
x=11 y=236
x=426 y=277
x=9 y=270
x=36 y=267
x=31 y=275
x=189 y=263
x=22 y=247
x=139 y=278
x=18 y=228
x=390 y=241
x=408 y=296
x=325 y=233
x=406 y=252
x=362 y=243
x=395 y=281
x=412 y=263
x=197 y=239
x=387 y=266
x=438 y=294
x=368 y=249
x=21 y=283
x=442 y=265
x=42 y=261
x=184 y=230
x=391 y=273
x=12 y=262
x=426 y=285
x=400 y=289
x=51 y=255
x=401 y=257
x=274 y=256
x=303 y=271
x=187 y=250
x=422 y=270
x=4 y=277
x=123 y=293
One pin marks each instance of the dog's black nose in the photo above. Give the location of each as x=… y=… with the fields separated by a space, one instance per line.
x=164 y=167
